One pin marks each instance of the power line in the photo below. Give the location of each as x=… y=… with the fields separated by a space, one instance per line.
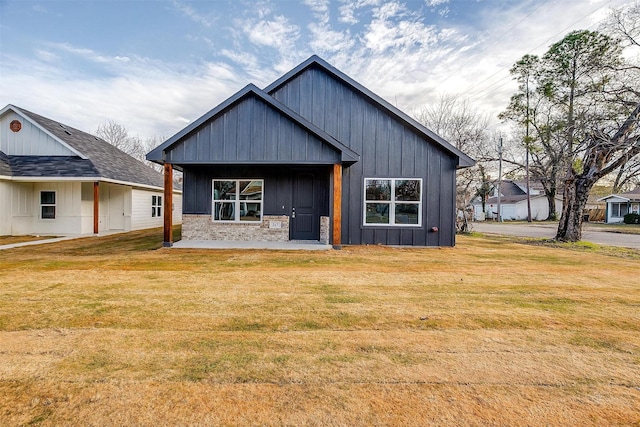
x=496 y=40
x=482 y=91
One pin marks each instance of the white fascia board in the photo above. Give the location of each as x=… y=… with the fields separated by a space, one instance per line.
x=86 y=179
x=36 y=124
x=613 y=198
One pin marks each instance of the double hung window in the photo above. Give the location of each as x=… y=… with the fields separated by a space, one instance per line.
x=48 y=204
x=393 y=201
x=156 y=206
x=237 y=200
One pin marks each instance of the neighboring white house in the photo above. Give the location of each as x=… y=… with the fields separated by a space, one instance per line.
x=58 y=180
x=513 y=203
x=618 y=205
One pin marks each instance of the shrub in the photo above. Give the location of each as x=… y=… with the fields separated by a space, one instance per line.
x=632 y=218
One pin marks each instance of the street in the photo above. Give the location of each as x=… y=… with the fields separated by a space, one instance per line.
x=590 y=233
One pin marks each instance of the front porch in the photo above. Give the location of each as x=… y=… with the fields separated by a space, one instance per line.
x=290 y=245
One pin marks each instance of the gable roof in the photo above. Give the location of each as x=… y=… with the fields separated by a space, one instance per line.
x=629 y=196
x=96 y=158
x=315 y=61
x=347 y=155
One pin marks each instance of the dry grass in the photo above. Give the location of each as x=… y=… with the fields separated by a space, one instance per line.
x=114 y=331
x=614 y=228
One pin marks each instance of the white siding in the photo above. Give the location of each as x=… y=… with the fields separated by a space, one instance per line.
x=141 y=209
x=29 y=141
x=25 y=206
x=86 y=208
x=5 y=208
x=68 y=208
x=177 y=209
x=22 y=208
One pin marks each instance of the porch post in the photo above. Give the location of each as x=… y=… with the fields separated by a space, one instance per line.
x=96 y=207
x=168 y=204
x=337 y=206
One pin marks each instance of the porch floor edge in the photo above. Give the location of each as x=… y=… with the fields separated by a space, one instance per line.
x=306 y=245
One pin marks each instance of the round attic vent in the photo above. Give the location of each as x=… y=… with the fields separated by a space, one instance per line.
x=15 y=126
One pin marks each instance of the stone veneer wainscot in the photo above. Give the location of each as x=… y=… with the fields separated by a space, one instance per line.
x=201 y=227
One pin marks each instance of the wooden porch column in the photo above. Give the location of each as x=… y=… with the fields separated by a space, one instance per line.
x=168 y=204
x=96 y=207
x=337 y=206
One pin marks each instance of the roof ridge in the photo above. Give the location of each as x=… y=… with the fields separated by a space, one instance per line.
x=315 y=60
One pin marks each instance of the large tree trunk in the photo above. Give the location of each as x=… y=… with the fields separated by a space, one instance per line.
x=551 y=201
x=576 y=193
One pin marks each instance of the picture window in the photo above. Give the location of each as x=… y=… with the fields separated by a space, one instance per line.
x=395 y=202
x=237 y=200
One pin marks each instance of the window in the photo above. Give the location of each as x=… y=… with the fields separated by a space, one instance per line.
x=393 y=201
x=48 y=204
x=619 y=210
x=156 y=206
x=237 y=200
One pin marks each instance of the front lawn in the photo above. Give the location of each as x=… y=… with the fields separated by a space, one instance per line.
x=117 y=331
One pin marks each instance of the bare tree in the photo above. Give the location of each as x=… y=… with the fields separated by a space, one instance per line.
x=117 y=135
x=460 y=123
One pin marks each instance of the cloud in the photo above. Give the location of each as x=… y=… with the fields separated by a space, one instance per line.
x=393 y=27
x=320 y=9
x=391 y=47
x=192 y=14
x=350 y=7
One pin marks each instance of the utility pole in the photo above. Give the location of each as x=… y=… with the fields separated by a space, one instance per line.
x=499 y=178
x=526 y=145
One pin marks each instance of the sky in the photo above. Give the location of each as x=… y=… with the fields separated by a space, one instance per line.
x=154 y=66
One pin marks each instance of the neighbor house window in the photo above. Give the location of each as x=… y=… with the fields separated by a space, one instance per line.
x=156 y=206
x=48 y=204
x=619 y=210
x=393 y=201
x=237 y=200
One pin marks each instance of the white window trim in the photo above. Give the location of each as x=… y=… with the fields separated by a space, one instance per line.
x=236 y=202
x=615 y=209
x=156 y=206
x=55 y=205
x=391 y=203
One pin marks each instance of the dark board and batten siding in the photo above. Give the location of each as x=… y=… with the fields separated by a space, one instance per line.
x=278 y=186
x=388 y=147
x=252 y=132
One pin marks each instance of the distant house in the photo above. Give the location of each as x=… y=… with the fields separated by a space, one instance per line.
x=618 y=205
x=513 y=202
x=314 y=156
x=58 y=180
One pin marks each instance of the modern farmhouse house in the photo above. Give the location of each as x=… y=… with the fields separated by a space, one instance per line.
x=58 y=180
x=314 y=156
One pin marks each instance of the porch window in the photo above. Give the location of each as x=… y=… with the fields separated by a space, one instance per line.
x=156 y=206
x=48 y=204
x=619 y=210
x=393 y=202
x=236 y=200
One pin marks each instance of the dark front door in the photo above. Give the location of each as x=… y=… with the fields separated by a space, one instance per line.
x=305 y=216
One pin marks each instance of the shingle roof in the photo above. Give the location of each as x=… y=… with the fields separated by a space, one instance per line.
x=51 y=166
x=103 y=160
x=5 y=169
x=634 y=192
x=510 y=188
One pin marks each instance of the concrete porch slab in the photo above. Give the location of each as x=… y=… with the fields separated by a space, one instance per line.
x=305 y=245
